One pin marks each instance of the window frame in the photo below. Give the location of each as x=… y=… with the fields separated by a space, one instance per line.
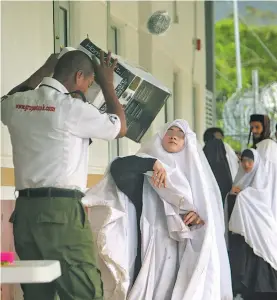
x=65 y=7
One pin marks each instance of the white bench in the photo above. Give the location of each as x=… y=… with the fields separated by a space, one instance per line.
x=30 y=271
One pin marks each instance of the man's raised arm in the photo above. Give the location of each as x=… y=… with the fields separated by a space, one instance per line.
x=35 y=79
x=104 y=77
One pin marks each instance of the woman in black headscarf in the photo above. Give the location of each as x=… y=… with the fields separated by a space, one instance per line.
x=216 y=155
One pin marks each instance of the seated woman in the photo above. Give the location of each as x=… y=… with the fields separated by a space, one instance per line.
x=165 y=218
x=253 y=232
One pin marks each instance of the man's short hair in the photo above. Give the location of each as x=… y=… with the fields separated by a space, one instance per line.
x=72 y=62
x=209 y=133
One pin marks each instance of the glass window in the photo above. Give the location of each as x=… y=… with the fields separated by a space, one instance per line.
x=61 y=25
x=114 y=40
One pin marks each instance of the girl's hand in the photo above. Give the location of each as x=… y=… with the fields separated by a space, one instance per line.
x=192 y=218
x=235 y=190
x=159 y=175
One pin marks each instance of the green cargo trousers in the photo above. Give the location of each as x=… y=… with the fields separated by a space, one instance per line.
x=57 y=229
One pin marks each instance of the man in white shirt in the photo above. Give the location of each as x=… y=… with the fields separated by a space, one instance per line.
x=50 y=129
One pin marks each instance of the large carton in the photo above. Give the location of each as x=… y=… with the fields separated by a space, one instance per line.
x=141 y=95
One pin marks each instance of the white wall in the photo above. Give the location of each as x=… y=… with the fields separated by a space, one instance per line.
x=26 y=42
x=28 y=26
x=26 y=39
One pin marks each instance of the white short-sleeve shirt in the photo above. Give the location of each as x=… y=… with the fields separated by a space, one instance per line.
x=50 y=134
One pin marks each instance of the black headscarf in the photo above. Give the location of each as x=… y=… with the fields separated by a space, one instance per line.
x=265 y=121
x=247 y=153
x=216 y=156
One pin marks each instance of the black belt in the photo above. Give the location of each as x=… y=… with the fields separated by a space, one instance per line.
x=51 y=193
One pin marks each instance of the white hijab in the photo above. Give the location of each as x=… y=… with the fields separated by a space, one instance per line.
x=252 y=216
x=201 y=264
x=255 y=178
x=185 y=167
x=178 y=165
x=190 y=174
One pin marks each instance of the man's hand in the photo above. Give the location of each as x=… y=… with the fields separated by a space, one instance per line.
x=235 y=190
x=104 y=74
x=159 y=175
x=104 y=71
x=192 y=218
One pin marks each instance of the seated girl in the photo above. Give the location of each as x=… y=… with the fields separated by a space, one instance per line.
x=160 y=230
x=253 y=231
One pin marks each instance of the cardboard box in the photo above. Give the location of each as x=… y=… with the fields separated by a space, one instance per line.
x=141 y=95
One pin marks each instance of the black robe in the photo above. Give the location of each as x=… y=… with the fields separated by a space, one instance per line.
x=216 y=155
x=127 y=173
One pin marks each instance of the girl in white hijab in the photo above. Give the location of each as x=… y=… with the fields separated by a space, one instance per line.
x=178 y=261
x=253 y=238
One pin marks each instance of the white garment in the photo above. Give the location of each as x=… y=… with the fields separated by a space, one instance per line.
x=255 y=178
x=178 y=262
x=268 y=152
x=232 y=159
x=252 y=216
x=50 y=134
x=114 y=227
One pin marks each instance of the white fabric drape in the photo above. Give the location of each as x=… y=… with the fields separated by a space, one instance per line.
x=268 y=152
x=255 y=178
x=178 y=263
x=114 y=228
x=232 y=159
x=252 y=215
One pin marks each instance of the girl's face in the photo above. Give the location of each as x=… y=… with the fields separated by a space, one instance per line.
x=247 y=164
x=173 y=140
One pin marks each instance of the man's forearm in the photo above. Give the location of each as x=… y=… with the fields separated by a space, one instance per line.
x=34 y=80
x=114 y=106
